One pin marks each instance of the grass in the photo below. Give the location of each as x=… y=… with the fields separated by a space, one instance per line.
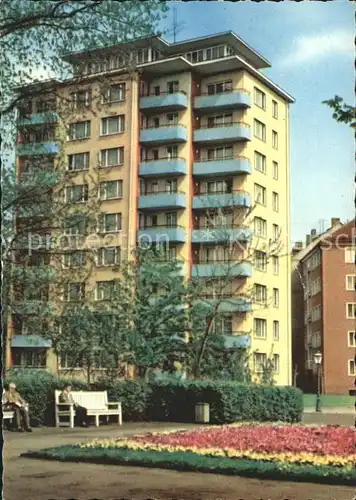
x=189 y=461
x=329 y=400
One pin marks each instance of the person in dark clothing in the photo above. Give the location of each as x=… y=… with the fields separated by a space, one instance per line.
x=81 y=417
x=14 y=402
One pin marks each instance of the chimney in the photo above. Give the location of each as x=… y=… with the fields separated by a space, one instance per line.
x=298 y=245
x=313 y=234
x=308 y=239
x=335 y=221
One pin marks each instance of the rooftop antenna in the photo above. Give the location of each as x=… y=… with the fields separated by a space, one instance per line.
x=176 y=26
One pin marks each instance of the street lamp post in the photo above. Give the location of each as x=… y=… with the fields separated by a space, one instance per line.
x=317 y=360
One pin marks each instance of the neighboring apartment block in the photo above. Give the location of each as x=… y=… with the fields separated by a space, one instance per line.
x=326 y=273
x=186 y=137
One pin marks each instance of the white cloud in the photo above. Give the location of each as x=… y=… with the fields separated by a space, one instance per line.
x=311 y=48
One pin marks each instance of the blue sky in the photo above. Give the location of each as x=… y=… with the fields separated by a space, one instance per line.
x=310 y=46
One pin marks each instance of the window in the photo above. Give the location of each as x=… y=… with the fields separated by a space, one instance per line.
x=222 y=325
x=260 y=162
x=105 y=290
x=70 y=361
x=260 y=294
x=350 y=255
x=110 y=223
x=30 y=358
x=172 y=152
x=351 y=339
x=76 y=194
x=108 y=256
x=80 y=99
x=79 y=161
x=275 y=201
x=171 y=219
x=275 y=363
x=351 y=310
x=351 y=282
x=76 y=224
x=259 y=361
x=275 y=170
x=275 y=109
x=171 y=186
x=352 y=367
x=113 y=125
x=275 y=264
x=260 y=98
x=74 y=259
x=220 y=153
x=220 y=120
x=313 y=261
x=260 y=328
x=274 y=139
x=260 y=194
x=172 y=119
x=260 y=226
x=110 y=190
x=172 y=87
x=79 y=130
x=74 y=292
x=276 y=234
x=111 y=157
x=260 y=260
x=260 y=130
x=275 y=297
x=220 y=87
x=275 y=330
x=115 y=93
x=315 y=286
x=316 y=313
x=222 y=186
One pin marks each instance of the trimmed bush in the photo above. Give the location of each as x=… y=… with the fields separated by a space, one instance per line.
x=229 y=402
x=167 y=400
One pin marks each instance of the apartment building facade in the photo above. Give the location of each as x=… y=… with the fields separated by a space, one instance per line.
x=188 y=140
x=326 y=268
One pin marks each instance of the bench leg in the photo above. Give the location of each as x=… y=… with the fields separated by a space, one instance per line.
x=119 y=418
x=97 y=420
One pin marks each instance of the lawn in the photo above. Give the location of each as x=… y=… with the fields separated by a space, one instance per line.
x=322 y=454
x=329 y=401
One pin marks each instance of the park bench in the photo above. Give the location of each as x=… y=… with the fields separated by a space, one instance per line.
x=96 y=403
x=7 y=415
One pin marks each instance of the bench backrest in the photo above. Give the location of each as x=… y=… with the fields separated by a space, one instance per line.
x=95 y=400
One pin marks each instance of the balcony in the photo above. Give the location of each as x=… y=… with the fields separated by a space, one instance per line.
x=232 y=269
x=228 y=304
x=223 y=166
x=224 y=132
x=164 y=101
x=42 y=177
x=162 y=199
x=238 y=99
x=164 y=134
x=30 y=341
x=163 y=166
x=37 y=148
x=38 y=118
x=238 y=340
x=221 y=199
x=220 y=234
x=161 y=234
x=37 y=307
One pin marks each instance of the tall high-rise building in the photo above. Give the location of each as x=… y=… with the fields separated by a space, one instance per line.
x=188 y=141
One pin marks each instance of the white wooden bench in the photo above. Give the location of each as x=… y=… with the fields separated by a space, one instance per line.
x=7 y=415
x=96 y=403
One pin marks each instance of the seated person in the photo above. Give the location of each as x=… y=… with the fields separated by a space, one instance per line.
x=13 y=401
x=81 y=417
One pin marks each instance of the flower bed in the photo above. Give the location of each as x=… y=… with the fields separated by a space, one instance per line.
x=277 y=451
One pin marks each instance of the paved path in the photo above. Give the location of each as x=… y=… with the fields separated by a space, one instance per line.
x=29 y=479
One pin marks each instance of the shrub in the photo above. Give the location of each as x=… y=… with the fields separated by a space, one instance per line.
x=229 y=402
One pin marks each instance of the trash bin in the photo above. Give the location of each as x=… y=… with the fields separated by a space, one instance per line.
x=202 y=413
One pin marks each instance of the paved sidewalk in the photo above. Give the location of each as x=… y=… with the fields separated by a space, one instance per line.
x=29 y=479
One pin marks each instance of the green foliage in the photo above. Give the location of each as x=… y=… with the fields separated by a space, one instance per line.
x=342 y=112
x=189 y=461
x=229 y=402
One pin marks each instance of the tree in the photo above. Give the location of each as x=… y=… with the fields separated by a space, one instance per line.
x=153 y=295
x=342 y=112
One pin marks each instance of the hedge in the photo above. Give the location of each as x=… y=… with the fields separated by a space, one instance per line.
x=168 y=401
x=189 y=461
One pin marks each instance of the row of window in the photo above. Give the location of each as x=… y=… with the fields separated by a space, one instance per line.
x=259 y=131
x=108 y=190
x=261 y=197
x=261 y=295
x=260 y=329
x=261 y=165
x=260 y=101
x=107 y=158
x=261 y=261
x=106 y=256
x=261 y=362
x=260 y=229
